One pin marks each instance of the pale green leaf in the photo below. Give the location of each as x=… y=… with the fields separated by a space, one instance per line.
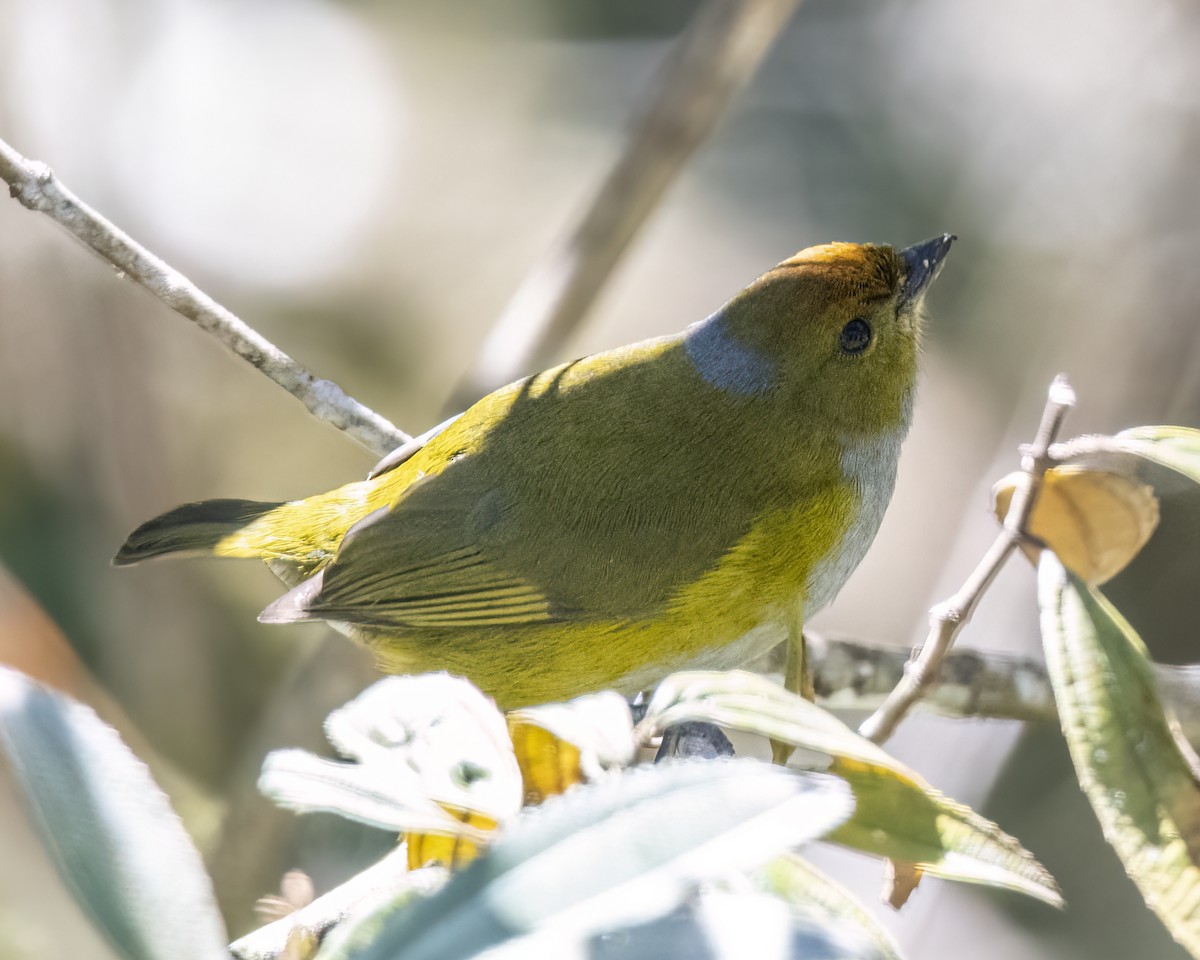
x=897 y=814
x=1124 y=752
x=387 y=796
x=716 y=924
x=1177 y=449
x=826 y=904
x=1174 y=447
x=616 y=853
x=108 y=827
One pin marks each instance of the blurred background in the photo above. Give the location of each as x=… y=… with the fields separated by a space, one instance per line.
x=367 y=183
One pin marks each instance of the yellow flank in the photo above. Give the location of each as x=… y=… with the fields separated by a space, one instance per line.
x=684 y=501
x=756 y=583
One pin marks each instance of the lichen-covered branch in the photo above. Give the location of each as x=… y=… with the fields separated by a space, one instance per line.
x=35 y=186
x=853 y=674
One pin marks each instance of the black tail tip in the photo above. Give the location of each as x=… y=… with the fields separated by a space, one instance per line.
x=125 y=557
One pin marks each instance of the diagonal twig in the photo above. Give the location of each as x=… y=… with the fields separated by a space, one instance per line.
x=716 y=56
x=35 y=186
x=946 y=619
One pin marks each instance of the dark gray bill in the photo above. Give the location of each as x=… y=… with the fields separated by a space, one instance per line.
x=922 y=262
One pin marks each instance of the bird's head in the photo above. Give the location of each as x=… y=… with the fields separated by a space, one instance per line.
x=835 y=328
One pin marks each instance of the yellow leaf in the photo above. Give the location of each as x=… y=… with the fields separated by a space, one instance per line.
x=558 y=745
x=425 y=849
x=1095 y=521
x=548 y=765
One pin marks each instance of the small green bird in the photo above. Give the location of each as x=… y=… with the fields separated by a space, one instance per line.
x=682 y=502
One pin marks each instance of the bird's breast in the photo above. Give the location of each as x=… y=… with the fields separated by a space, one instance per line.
x=869 y=468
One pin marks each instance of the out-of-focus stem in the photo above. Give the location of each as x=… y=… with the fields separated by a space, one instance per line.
x=716 y=56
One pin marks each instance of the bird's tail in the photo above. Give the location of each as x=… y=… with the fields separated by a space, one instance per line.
x=193 y=528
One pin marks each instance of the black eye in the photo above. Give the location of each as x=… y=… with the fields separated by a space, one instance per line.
x=856 y=336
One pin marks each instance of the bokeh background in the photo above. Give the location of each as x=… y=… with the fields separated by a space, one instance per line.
x=367 y=183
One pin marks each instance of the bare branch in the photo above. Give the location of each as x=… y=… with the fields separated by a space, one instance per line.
x=716 y=56
x=946 y=619
x=36 y=187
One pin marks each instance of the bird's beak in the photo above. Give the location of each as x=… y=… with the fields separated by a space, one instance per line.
x=922 y=263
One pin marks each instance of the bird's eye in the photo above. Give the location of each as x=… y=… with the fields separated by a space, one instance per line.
x=856 y=336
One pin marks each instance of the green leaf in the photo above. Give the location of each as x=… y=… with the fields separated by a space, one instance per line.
x=616 y=853
x=108 y=827
x=897 y=814
x=1174 y=447
x=826 y=904
x=1125 y=755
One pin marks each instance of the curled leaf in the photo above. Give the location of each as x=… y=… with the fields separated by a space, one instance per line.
x=897 y=814
x=1095 y=520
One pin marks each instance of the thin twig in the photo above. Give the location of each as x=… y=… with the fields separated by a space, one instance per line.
x=946 y=619
x=716 y=56
x=36 y=187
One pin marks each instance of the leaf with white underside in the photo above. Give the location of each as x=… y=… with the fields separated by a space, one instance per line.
x=554 y=872
x=109 y=829
x=1175 y=448
x=1125 y=755
x=418 y=748
x=897 y=814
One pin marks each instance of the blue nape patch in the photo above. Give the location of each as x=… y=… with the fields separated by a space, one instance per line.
x=724 y=361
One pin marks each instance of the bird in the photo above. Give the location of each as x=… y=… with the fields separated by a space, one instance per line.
x=685 y=502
